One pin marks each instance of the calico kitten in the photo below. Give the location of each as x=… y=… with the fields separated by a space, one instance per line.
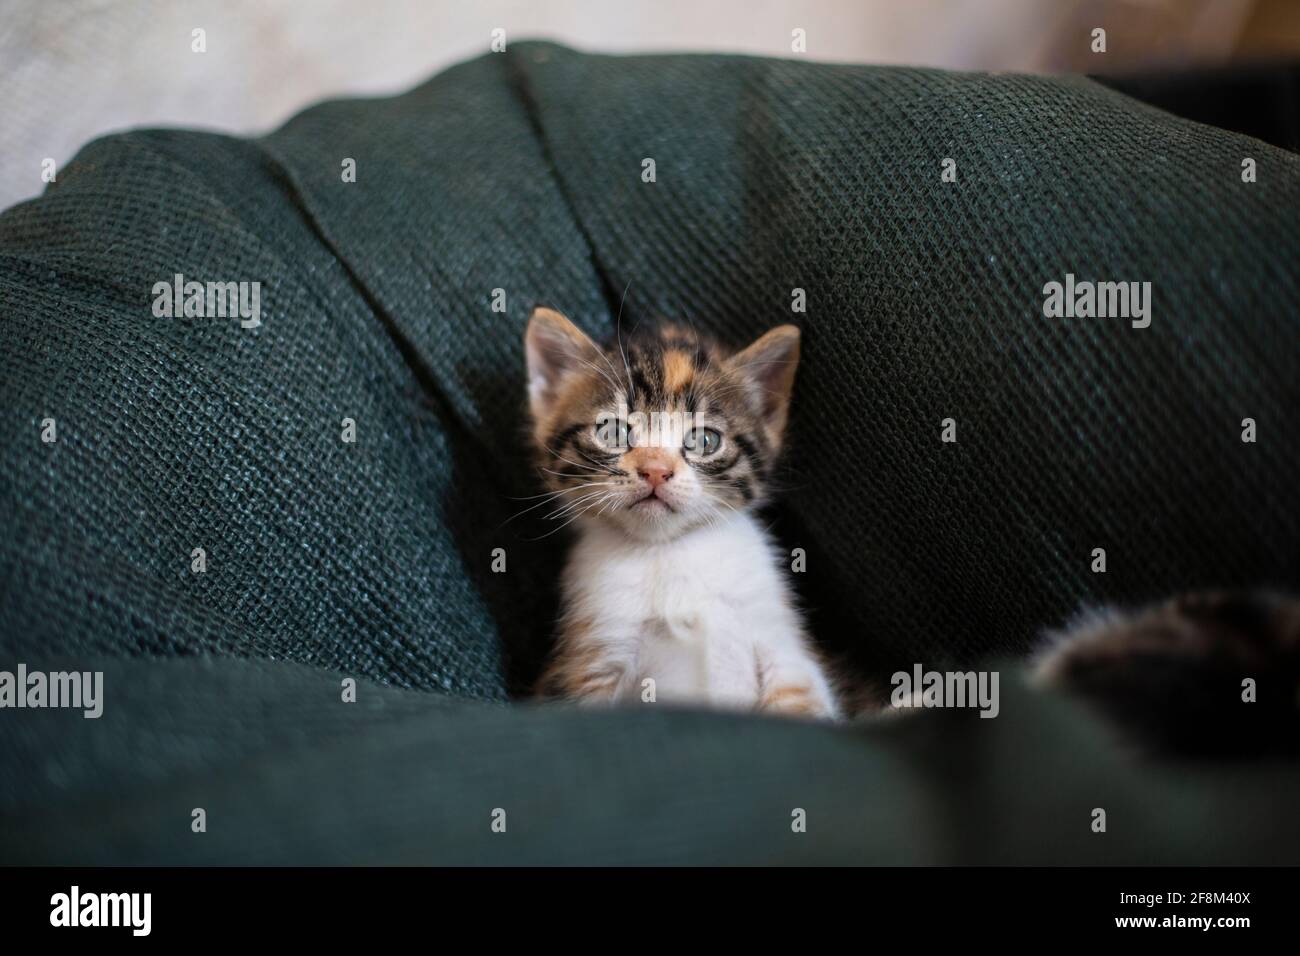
x=1171 y=675
x=672 y=579
x=657 y=449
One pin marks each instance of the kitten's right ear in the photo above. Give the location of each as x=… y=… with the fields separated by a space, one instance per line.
x=555 y=348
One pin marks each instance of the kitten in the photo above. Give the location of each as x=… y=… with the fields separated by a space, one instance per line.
x=1171 y=676
x=657 y=449
x=673 y=581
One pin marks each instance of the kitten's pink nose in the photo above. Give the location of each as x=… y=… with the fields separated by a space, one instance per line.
x=655 y=473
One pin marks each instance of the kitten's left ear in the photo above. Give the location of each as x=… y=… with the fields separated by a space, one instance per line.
x=769 y=365
x=555 y=348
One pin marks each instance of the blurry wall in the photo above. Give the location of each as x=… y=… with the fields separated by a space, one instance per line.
x=73 y=69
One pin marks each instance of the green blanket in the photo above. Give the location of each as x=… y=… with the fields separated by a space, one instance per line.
x=521 y=178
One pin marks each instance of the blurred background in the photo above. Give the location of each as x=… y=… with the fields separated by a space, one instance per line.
x=74 y=69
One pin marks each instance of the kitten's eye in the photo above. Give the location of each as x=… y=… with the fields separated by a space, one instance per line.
x=612 y=433
x=702 y=441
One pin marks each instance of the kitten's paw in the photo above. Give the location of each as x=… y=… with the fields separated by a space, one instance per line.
x=797 y=700
x=591 y=687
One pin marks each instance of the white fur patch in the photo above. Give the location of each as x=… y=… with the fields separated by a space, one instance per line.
x=706 y=615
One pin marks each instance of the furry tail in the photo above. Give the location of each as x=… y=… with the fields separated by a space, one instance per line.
x=1210 y=674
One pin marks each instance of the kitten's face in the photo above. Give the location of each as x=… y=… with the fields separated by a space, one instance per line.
x=661 y=434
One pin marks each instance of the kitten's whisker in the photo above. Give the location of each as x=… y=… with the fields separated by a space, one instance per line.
x=560 y=528
x=581 y=474
x=611 y=497
x=618 y=331
x=544 y=494
x=610 y=365
x=602 y=498
x=570 y=461
x=722 y=501
x=602 y=467
x=607 y=469
x=613 y=383
x=569 y=507
x=549 y=499
x=563 y=459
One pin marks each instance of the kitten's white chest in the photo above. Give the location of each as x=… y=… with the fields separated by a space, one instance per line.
x=691 y=615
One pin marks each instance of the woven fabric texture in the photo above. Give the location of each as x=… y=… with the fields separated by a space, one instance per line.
x=523 y=172
x=285 y=774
